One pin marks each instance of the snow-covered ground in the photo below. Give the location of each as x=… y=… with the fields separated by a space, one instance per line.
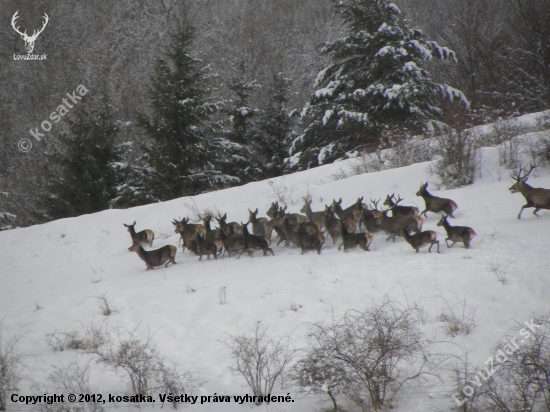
x=53 y=274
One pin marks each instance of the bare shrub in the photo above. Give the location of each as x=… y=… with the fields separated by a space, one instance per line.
x=499 y=268
x=462 y=322
x=12 y=363
x=375 y=352
x=458 y=158
x=147 y=371
x=260 y=359
x=222 y=297
x=90 y=338
x=106 y=308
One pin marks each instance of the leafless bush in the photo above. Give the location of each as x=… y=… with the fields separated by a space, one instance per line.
x=458 y=158
x=499 y=268
x=222 y=296
x=281 y=192
x=71 y=378
x=375 y=352
x=106 y=308
x=259 y=358
x=462 y=322
x=90 y=338
x=147 y=371
x=12 y=363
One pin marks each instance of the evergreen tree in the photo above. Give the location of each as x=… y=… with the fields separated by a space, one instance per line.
x=276 y=127
x=83 y=177
x=375 y=82
x=178 y=160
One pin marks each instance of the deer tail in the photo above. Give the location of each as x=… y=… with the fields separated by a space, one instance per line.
x=173 y=251
x=471 y=232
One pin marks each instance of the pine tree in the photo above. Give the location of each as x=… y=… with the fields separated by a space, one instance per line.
x=84 y=178
x=375 y=82
x=178 y=160
x=276 y=127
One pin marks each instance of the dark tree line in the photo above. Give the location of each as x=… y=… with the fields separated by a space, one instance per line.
x=188 y=96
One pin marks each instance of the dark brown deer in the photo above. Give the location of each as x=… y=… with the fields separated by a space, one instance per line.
x=394 y=225
x=333 y=227
x=457 y=233
x=371 y=220
x=314 y=217
x=258 y=225
x=397 y=210
x=212 y=235
x=419 y=240
x=352 y=212
x=292 y=217
x=206 y=247
x=232 y=243
x=351 y=240
x=538 y=198
x=309 y=241
x=230 y=228
x=435 y=204
x=145 y=237
x=273 y=210
x=157 y=257
x=188 y=235
x=253 y=242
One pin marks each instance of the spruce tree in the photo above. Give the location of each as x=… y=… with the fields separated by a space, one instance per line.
x=276 y=126
x=83 y=175
x=375 y=82
x=178 y=160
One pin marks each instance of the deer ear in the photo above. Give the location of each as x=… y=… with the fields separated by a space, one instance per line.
x=125 y=224
x=256 y=211
x=525 y=179
x=134 y=223
x=340 y=201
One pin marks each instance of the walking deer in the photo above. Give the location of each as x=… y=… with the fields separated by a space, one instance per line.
x=457 y=233
x=230 y=228
x=206 y=247
x=397 y=210
x=144 y=237
x=352 y=212
x=314 y=217
x=309 y=241
x=435 y=204
x=188 y=234
x=351 y=240
x=253 y=242
x=394 y=225
x=538 y=198
x=421 y=239
x=333 y=226
x=232 y=243
x=157 y=257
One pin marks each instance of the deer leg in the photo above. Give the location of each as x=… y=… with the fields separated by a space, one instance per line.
x=527 y=205
x=425 y=213
x=271 y=250
x=340 y=247
x=536 y=210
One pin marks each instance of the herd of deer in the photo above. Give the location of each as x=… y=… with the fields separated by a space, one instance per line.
x=354 y=225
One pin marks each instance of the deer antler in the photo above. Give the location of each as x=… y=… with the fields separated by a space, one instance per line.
x=398 y=200
x=375 y=203
x=518 y=175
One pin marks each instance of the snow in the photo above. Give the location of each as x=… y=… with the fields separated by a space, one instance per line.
x=53 y=274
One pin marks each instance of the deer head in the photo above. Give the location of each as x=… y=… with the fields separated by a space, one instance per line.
x=520 y=177
x=29 y=40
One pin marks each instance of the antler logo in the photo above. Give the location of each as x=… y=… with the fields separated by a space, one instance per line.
x=29 y=40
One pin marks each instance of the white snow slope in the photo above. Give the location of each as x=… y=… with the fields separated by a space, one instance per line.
x=53 y=274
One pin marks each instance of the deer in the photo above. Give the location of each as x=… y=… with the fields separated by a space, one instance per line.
x=292 y=217
x=333 y=227
x=457 y=233
x=206 y=247
x=538 y=198
x=258 y=225
x=273 y=210
x=351 y=240
x=393 y=225
x=371 y=220
x=397 y=210
x=253 y=242
x=188 y=235
x=145 y=237
x=231 y=243
x=309 y=241
x=314 y=217
x=211 y=235
x=157 y=257
x=352 y=212
x=29 y=40
x=435 y=204
x=421 y=239
x=229 y=228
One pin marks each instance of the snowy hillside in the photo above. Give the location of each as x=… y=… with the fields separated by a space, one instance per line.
x=53 y=276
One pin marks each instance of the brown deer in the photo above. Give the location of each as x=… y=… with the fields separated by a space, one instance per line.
x=157 y=257
x=371 y=220
x=292 y=217
x=333 y=227
x=351 y=240
x=258 y=224
x=273 y=210
x=435 y=204
x=188 y=235
x=457 y=233
x=421 y=239
x=232 y=243
x=253 y=242
x=394 y=225
x=145 y=237
x=206 y=247
x=352 y=212
x=397 y=210
x=309 y=241
x=212 y=235
x=538 y=198
x=314 y=217
x=230 y=228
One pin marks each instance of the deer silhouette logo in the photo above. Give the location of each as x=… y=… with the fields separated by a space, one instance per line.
x=29 y=40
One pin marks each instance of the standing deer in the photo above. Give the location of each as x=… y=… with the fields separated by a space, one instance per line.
x=435 y=204
x=253 y=242
x=258 y=225
x=188 y=234
x=229 y=228
x=421 y=239
x=206 y=247
x=314 y=217
x=397 y=210
x=144 y=237
x=352 y=212
x=393 y=225
x=538 y=198
x=309 y=241
x=157 y=257
x=332 y=225
x=232 y=243
x=351 y=240
x=457 y=233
